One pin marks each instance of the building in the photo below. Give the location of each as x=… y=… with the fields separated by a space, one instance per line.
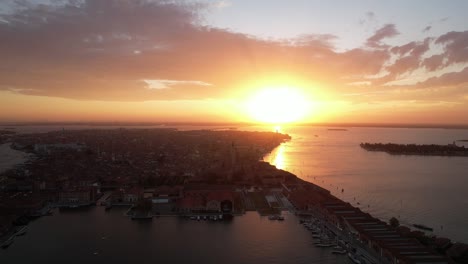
x=77 y=196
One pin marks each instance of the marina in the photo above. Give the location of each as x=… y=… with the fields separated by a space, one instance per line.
x=113 y=237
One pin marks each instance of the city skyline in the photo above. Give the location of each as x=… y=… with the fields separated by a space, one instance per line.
x=151 y=61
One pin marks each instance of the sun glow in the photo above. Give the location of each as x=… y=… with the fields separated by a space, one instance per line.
x=277 y=106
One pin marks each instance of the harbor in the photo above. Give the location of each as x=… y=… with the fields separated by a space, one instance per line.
x=110 y=236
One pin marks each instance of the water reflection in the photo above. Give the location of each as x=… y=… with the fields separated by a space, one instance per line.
x=277 y=157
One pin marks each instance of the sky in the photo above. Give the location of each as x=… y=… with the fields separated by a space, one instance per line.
x=147 y=60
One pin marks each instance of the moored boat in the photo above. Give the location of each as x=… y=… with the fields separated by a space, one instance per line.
x=273 y=217
x=324 y=245
x=423 y=227
x=7 y=243
x=22 y=231
x=340 y=252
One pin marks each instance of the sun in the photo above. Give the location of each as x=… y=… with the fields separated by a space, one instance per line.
x=277 y=105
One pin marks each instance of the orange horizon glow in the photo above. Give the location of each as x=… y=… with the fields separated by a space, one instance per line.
x=386 y=72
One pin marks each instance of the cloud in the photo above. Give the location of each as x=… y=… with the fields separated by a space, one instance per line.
x=426 y=29
x=166 y=84
x=447 y=80
x=223 y=4
x=434 y=62
x=139 y=50
x=387 y=31
x=455 y=46
x=103 y=49
x=368 y=18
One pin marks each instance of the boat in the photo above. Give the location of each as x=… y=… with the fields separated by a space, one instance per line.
x=193 y=217
x=324 y=245
x=146 y=216
x=339 y=252
x=7 y=243
x=354 y=259
x=22 y=231
x=423 y=227
x=276 y=217
x=273 y=217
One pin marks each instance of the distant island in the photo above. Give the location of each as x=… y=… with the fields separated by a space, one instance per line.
x=337 y=129
x=413 y=149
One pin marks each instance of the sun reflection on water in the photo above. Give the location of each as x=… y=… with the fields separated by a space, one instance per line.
x=279 y=158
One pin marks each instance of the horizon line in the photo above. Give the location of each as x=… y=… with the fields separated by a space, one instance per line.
x=213 y=123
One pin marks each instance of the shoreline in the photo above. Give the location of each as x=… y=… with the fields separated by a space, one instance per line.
x=261 y=174
x=10 y=158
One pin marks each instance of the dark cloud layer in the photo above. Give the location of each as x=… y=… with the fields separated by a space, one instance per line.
x=386 y=31
x=106 y=49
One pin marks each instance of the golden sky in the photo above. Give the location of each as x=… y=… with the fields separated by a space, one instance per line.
x=118 y=60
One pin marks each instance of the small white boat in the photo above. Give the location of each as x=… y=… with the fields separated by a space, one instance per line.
x=273 y=217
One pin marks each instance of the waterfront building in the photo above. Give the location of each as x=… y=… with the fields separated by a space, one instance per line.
x=164 y=199
x=387 y=244
x=77 y=196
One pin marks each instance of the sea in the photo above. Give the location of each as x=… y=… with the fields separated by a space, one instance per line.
x=428 y=190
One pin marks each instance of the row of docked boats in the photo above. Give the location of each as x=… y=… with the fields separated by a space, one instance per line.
x=21 y=232
x=206 y=217
x=323 y=240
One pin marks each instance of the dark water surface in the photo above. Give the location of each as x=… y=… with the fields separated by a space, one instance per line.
x=97 y=236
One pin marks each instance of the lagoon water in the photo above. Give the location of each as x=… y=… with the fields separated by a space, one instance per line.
x=425 y=190
x=98 y=236
x=416 y=189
